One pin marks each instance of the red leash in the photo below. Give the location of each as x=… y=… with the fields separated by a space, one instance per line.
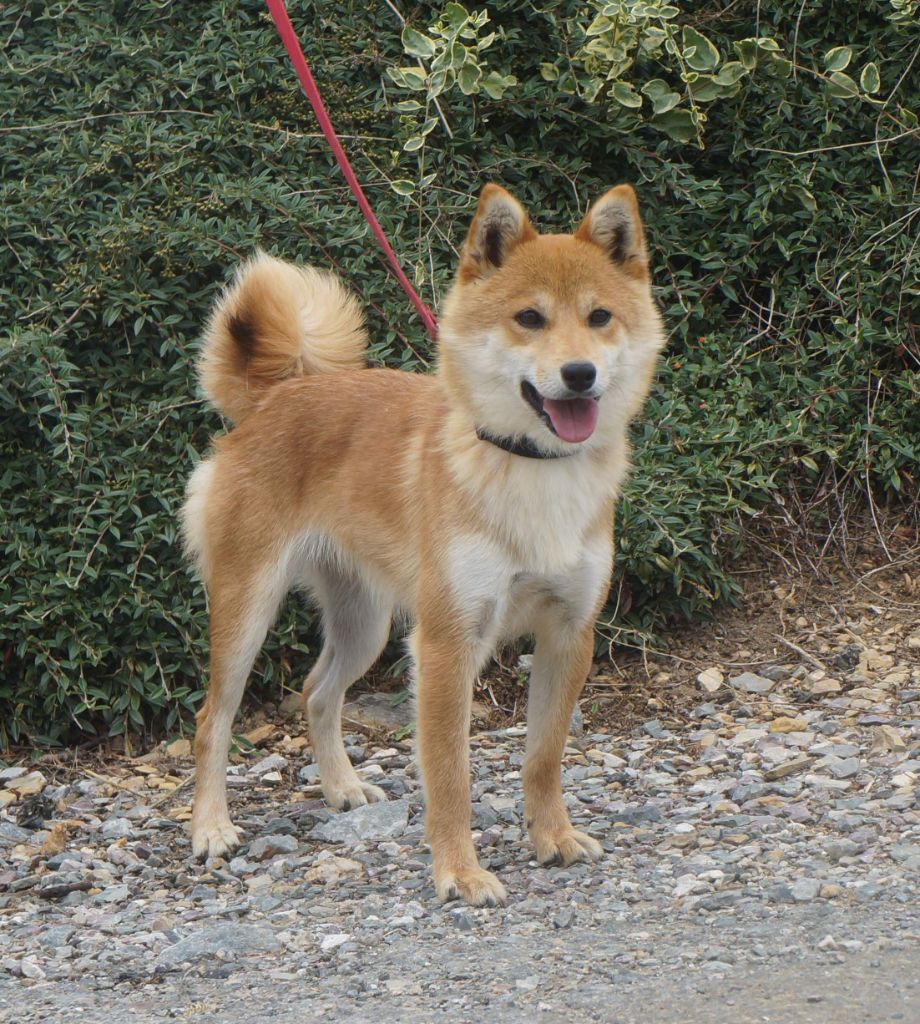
x=289 y=38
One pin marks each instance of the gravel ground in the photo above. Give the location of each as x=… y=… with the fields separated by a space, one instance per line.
x=763 y=857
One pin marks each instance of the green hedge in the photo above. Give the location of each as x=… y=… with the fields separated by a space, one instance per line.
x=148 y=146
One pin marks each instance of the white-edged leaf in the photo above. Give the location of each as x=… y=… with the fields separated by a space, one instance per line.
x=841 y=85
x=409 y=78
x=469 y=78
x=494 y=84
x=869 y=80
x=699 y=53
x=418 y=44
x=747 y=51
x=678 y=124
x=662 y=104
x=730 y=73
x=626 y=95
x=655 y=87
x=838 y=58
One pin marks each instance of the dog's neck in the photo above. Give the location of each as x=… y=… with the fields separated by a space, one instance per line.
x=522 y=446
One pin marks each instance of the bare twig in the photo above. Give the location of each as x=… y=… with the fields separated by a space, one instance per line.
x=802 y=652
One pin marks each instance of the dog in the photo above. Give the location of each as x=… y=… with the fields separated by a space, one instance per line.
x=478 y=500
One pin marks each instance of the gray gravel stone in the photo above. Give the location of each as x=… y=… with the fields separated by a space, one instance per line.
x=225 y=938
x=117 y=828
x=271 y=763
x=804 y=890
x=384 y=820
x=749 y=682
x=11 y=834
x=271 y=845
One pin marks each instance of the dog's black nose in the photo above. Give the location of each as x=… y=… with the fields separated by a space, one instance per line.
x=579 y=376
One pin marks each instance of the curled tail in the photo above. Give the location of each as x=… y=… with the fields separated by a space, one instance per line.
x=277 y=321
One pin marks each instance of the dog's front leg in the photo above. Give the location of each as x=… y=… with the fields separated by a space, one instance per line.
x=562 y=659
x=446 y=667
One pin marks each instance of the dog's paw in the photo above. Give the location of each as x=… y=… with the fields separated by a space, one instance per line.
x=353 y=794
x=565 y=846
x=474 y=885
x=214 y=839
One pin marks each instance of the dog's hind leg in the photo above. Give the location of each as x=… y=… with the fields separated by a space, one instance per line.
x=356 y=623
x=241 y=614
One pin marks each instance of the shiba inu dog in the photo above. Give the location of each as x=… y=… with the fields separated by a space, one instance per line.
x=478 y=500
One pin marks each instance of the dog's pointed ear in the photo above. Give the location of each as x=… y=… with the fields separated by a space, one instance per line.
x=499 y=225
x=613 y=223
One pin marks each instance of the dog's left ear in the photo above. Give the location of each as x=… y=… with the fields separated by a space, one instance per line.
x=614 y=224
x=499 y=225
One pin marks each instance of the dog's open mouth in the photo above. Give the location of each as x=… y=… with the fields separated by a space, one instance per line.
x=572 y=419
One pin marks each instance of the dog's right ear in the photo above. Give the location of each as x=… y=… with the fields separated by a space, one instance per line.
x=499 y=225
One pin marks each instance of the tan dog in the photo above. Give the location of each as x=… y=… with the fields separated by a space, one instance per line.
x=478 y=500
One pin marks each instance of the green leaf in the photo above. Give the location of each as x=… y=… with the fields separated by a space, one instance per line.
x=549 y=72
x=841 y=85
x=625 y=95
x=838 y=58
x=747 y=51
x=869 y=80
x=655 y=87
x=768 y=45
x=652 y=40
x=599 y=26
x=458 y=56
x=438 y=82
x=455 y=16
x=494 y=84
x=699 y=53
x=779 y=67
x=805 y=197
x=730 y=73
x=678 y=124
x=662 y=104
x=707 y=89
x=417 y=44
x=469 y=78
x=409 y=78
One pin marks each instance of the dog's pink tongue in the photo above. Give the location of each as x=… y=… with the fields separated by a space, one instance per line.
x=574 y=419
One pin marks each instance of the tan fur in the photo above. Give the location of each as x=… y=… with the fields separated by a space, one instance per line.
x=371 y=489
x=277 y=321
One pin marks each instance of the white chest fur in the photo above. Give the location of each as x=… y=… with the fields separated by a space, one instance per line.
x=540 y=511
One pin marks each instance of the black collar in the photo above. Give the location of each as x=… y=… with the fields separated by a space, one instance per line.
x=522 y=447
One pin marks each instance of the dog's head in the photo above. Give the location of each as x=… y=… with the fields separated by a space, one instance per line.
x=551 y=337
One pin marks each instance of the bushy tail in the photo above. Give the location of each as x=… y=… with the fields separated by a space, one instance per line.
x=277 y=321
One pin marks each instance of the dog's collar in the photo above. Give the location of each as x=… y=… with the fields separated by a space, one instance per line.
x=523 y=447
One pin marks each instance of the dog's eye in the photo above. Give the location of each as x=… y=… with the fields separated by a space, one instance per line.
x=530 y=318
x=599 y=317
